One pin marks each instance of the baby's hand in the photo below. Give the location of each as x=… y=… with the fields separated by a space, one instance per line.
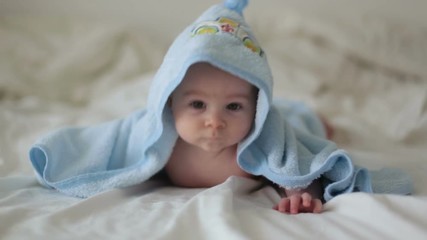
x=299 y=203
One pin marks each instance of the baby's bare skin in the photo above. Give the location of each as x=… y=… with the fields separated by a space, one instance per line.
x=190 y=166
x=213 y=112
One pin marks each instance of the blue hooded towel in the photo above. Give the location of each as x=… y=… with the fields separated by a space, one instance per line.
x=286 y=145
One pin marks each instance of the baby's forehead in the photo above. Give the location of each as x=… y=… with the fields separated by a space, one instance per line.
x=206 y=80
x=205 y=73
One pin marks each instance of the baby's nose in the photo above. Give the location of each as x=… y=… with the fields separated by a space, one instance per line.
x=215 y=120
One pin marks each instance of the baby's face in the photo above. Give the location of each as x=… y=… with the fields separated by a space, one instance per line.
x=212 y=108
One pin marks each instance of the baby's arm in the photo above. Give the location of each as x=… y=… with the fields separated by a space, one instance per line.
x=306 y=200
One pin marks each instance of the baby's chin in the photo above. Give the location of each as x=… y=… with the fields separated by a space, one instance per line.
x=213 y=148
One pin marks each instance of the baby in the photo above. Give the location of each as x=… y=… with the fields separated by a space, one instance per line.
x=214 y=111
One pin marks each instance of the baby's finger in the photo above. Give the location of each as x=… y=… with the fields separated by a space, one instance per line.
x=317 y=206
x=295 y=202
x=306 y=199
x=283 y=205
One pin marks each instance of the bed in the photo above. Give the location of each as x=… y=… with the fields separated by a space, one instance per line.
x=362 y=64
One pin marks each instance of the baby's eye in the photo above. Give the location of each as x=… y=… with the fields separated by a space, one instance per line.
x=234 y=106
x=197 y=105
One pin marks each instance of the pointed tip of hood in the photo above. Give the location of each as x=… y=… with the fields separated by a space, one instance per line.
x=236 y=5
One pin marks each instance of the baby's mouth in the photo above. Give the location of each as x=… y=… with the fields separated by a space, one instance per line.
x=214 y=136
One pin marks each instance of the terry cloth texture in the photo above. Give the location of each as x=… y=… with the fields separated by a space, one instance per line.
x=286 y=145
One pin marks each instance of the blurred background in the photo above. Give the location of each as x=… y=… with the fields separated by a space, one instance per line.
x=145 y=12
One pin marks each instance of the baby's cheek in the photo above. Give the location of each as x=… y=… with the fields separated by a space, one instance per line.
x=244 y=129
x=183 y=129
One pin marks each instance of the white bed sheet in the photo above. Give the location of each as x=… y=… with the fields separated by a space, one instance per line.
x=365 y=72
